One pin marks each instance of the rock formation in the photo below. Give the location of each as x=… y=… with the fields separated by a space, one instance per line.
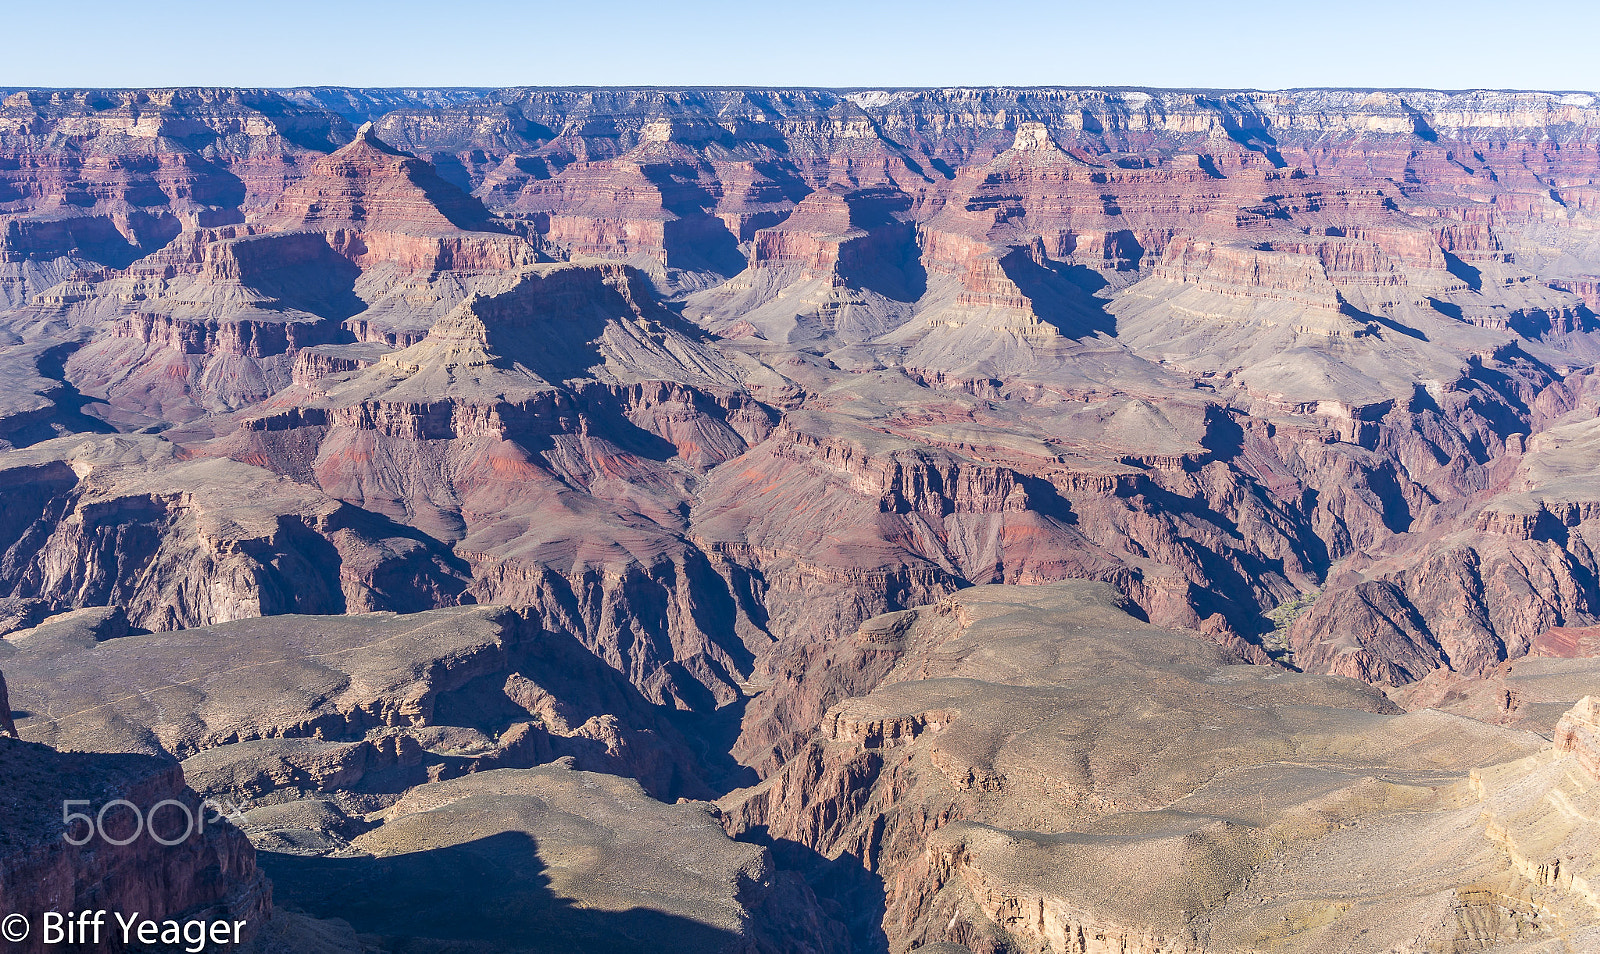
x=558 y=860
x=208 y=876
x=6 y=723
x=980 y=494
x=992 y=767
x=361 y=754
x=297 y=705
x=1578 y=735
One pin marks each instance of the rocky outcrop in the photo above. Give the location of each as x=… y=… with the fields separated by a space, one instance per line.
x=313 y=364
x=1395 y=629
x=383 y=701
x=145 y=163
x=208 y=875
x=1578 y=735
x=1468 y=590
x=372 y=185
x=612 y=868
x=6 y=724
x=213 y=540
x=1039 y=919
x=212 y=321
x=560 y=397
x=375 y=205
x=988 y=779
x=1537 y=813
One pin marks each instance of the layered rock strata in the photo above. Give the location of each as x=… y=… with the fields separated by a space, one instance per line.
x=1003 y=760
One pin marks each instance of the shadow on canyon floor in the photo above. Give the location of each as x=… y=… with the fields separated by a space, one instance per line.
x=69 y=415
x=712 y=734
x=486 y=895
x=1062 y=295
x=845 y=890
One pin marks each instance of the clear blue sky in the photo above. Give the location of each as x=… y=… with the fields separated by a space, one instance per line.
x=1269 y=45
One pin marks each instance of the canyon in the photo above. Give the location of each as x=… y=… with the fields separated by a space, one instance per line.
x=795 y=520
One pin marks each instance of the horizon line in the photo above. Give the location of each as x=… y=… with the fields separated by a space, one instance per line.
x=690 y=87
